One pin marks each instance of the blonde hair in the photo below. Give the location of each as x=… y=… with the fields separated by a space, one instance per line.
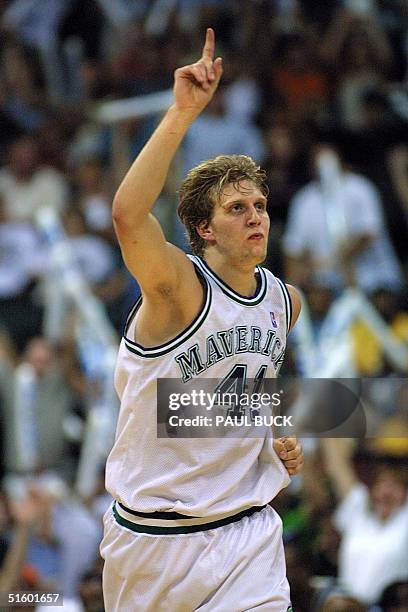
x=203 y=186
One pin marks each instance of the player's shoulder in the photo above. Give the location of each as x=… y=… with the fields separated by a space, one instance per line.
x=295 y=304
x=296 y=300
x=270 y=276
x=293 y=296
x=271 y=279
x=275 y=279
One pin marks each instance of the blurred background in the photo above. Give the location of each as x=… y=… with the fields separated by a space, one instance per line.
x=316 y=92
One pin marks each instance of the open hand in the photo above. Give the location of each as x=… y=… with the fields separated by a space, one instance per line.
x=290 y=452
x=195 y=84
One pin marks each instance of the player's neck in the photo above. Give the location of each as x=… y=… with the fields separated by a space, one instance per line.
x=240 y=277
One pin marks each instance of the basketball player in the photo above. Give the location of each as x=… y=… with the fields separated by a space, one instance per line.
x=191 y=528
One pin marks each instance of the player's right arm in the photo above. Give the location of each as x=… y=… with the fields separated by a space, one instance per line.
x=161 y=269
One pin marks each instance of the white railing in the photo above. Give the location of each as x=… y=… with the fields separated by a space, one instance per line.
x=331 y=354
x=96 y=342
x=116 y=111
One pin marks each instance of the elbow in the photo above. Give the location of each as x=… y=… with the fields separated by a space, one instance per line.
x=121 y=214
x=117 y=209
x=124 y=217
x=120 y=219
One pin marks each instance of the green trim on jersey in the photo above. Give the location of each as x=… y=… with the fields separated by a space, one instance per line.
x=166 y=347
x=287 y=301
x=132 y=314
x=154 y=530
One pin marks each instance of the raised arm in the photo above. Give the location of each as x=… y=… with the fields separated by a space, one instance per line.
x=155 y=263
x=337 y=456
x=25 y=513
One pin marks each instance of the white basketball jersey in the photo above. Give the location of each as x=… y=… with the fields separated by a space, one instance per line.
x=201 y=477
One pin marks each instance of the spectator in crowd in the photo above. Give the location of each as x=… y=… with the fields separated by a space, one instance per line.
x=395 y=597
x=299 y=572
x=25 y=185
x=214 y=133
x=90 y=589
x=242 y=96
x=284 y=163
x=336 y=230
x=392 y=433
x=45 y=28
x=373 y=523
x=93 y=255
x=369 y=355
x=14 y=541
x=138 y=68
x=398 y=170
x=65 y=541
x=22 y=97
x=22 y=262
x=296 y=78
x=99 y=264
x=34 y=425
x=285 y=168
x=357 y=51
x=342 y=603
x=376 y=151
x=93 y=197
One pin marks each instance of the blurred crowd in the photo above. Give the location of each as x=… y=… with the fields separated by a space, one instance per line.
x=316 y=92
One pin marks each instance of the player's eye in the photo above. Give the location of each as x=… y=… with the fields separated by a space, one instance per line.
x=261 y=206
x=237 y=207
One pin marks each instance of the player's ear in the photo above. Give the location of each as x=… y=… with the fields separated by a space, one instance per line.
x=204 y=230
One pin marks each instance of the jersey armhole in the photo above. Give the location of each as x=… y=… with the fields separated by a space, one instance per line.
x=182 y=336
x=133 y=311
x=287 y=301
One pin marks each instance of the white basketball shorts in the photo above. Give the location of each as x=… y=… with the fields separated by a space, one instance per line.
x=236 y=567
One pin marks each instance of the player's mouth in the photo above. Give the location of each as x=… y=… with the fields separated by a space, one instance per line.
x=256 y=236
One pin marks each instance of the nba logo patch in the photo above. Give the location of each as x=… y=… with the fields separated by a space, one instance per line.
x=274 y=323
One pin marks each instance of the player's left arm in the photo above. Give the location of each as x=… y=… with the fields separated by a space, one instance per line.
x=296 y=304
x=290 y=452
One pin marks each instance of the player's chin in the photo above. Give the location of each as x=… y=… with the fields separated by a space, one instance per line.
x=259 y=253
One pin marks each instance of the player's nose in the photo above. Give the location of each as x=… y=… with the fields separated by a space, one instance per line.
x=254 y=217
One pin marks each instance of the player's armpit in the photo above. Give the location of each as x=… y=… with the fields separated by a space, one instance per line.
x=172 y=292
x=159 y=267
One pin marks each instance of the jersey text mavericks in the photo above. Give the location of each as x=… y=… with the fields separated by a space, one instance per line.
x=228 y=342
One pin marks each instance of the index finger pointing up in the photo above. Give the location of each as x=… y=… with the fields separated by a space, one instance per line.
x=209 y=45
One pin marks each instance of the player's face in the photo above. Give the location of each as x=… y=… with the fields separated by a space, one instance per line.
x=240 y=225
